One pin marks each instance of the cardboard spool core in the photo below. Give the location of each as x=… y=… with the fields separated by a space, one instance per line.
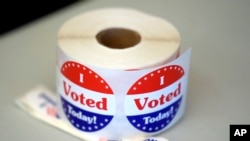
x=118 y=38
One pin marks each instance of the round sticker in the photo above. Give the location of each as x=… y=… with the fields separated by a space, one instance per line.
x=153 y=100
x=86 y=98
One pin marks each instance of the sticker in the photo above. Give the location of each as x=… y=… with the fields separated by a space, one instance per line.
x=153 y=100
x=87 y=99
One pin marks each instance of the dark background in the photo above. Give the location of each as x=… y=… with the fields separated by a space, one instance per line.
x=14 y=14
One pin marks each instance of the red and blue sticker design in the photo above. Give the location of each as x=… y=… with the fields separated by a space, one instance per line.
x=87 y=100
x=153 y=101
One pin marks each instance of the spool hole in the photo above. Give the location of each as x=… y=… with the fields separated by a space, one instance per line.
x=118 y=38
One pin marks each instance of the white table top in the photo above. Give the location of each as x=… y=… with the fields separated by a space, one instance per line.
x=219 y=84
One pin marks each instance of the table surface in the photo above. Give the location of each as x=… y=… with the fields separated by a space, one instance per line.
x=219 y=82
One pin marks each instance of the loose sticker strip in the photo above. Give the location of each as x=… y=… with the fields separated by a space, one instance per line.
x=41 y=103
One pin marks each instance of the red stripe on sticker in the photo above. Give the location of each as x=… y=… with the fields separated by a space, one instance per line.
x=85 y=77
x=157 y=79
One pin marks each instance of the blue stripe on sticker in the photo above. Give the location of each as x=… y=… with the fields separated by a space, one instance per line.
x=84 y=120
x=156 y=121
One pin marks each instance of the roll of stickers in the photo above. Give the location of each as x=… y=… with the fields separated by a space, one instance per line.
x=119 y=75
